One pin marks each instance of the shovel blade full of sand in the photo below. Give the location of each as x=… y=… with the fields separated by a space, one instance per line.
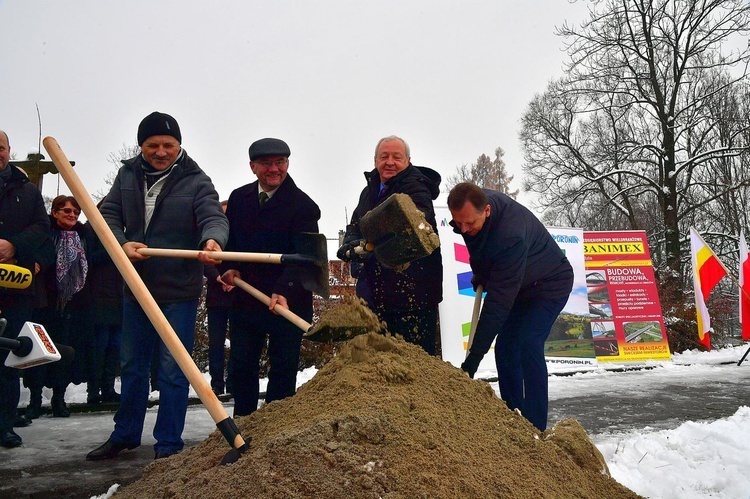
x=343 y=322
x=399 y=232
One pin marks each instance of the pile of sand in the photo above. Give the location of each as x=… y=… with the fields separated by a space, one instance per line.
x=350 y=318
x=384 y=419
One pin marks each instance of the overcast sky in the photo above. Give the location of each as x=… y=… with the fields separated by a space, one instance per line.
x=330 y=77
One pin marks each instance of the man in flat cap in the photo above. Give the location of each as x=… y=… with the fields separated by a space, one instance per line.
x=264 y=217
x=161 y=198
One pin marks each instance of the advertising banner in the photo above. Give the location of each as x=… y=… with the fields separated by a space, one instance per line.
x=626 y=319
x=570 y=342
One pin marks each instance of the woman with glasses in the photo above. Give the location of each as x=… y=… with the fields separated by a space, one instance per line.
x=64 y=277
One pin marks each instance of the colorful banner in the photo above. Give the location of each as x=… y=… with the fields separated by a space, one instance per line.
x=626 y=319
x=570 y=341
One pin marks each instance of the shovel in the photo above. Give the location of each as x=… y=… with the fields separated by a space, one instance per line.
x=475 y=316
x=397 y=231
x=321 y=332
x=311 y=259
x=224 y=423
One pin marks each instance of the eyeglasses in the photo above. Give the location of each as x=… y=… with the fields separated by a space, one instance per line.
x=68 y=211
x=267 y=164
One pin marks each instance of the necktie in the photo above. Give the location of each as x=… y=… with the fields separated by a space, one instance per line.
x=263 y=198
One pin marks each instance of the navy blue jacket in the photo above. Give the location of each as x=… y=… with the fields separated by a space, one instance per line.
x=421 y=284
x=513 y=256
x=270 y=229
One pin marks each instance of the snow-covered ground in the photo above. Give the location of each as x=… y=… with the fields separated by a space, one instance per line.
x=700 y=458
x=691 y=460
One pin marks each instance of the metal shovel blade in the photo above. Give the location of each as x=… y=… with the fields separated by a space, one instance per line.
x=314 y=274
x=399 y=231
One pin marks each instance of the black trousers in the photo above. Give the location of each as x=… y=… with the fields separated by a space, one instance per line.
x=10 y=386
x=250 y=329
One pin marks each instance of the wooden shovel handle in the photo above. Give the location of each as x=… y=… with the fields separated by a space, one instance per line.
x=264 y=298
x=232 y=256
x=475 y=316
x=137 y=286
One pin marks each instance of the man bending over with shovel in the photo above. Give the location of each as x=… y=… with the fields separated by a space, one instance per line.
x=528 y=281
x=161 y=198
x=406 y=299
x=265 y=216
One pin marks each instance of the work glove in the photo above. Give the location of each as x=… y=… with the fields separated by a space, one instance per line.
x=476 y=281
x=471 y=364
x=347 y=251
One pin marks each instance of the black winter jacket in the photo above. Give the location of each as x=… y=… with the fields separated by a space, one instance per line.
x=513 y=256
x=270 y=229
x=187 y=214
x=23 y=222
x=421 y=284
x=104 y=285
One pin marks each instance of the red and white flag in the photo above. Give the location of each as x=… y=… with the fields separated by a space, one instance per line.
x=707 y=272
x=744 y=288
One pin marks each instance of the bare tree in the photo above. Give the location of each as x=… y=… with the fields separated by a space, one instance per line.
x=486 y=173
x=127 y=151
x=633 y=133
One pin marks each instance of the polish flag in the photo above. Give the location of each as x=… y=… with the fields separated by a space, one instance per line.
x=707 y=272
x=744 y=288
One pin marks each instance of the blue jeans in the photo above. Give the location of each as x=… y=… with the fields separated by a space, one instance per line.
x=519 y=354
x=139 y=339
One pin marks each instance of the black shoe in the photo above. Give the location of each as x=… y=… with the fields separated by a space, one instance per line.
x=108 y=450
x=10 y=439
x=21 y=421
x=33 y=411
x=60 y=409
x=218 y=391
x=162 y=455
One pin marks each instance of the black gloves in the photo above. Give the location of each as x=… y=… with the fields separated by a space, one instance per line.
x=347 y=251
x=471 y=363
x=476 y=281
